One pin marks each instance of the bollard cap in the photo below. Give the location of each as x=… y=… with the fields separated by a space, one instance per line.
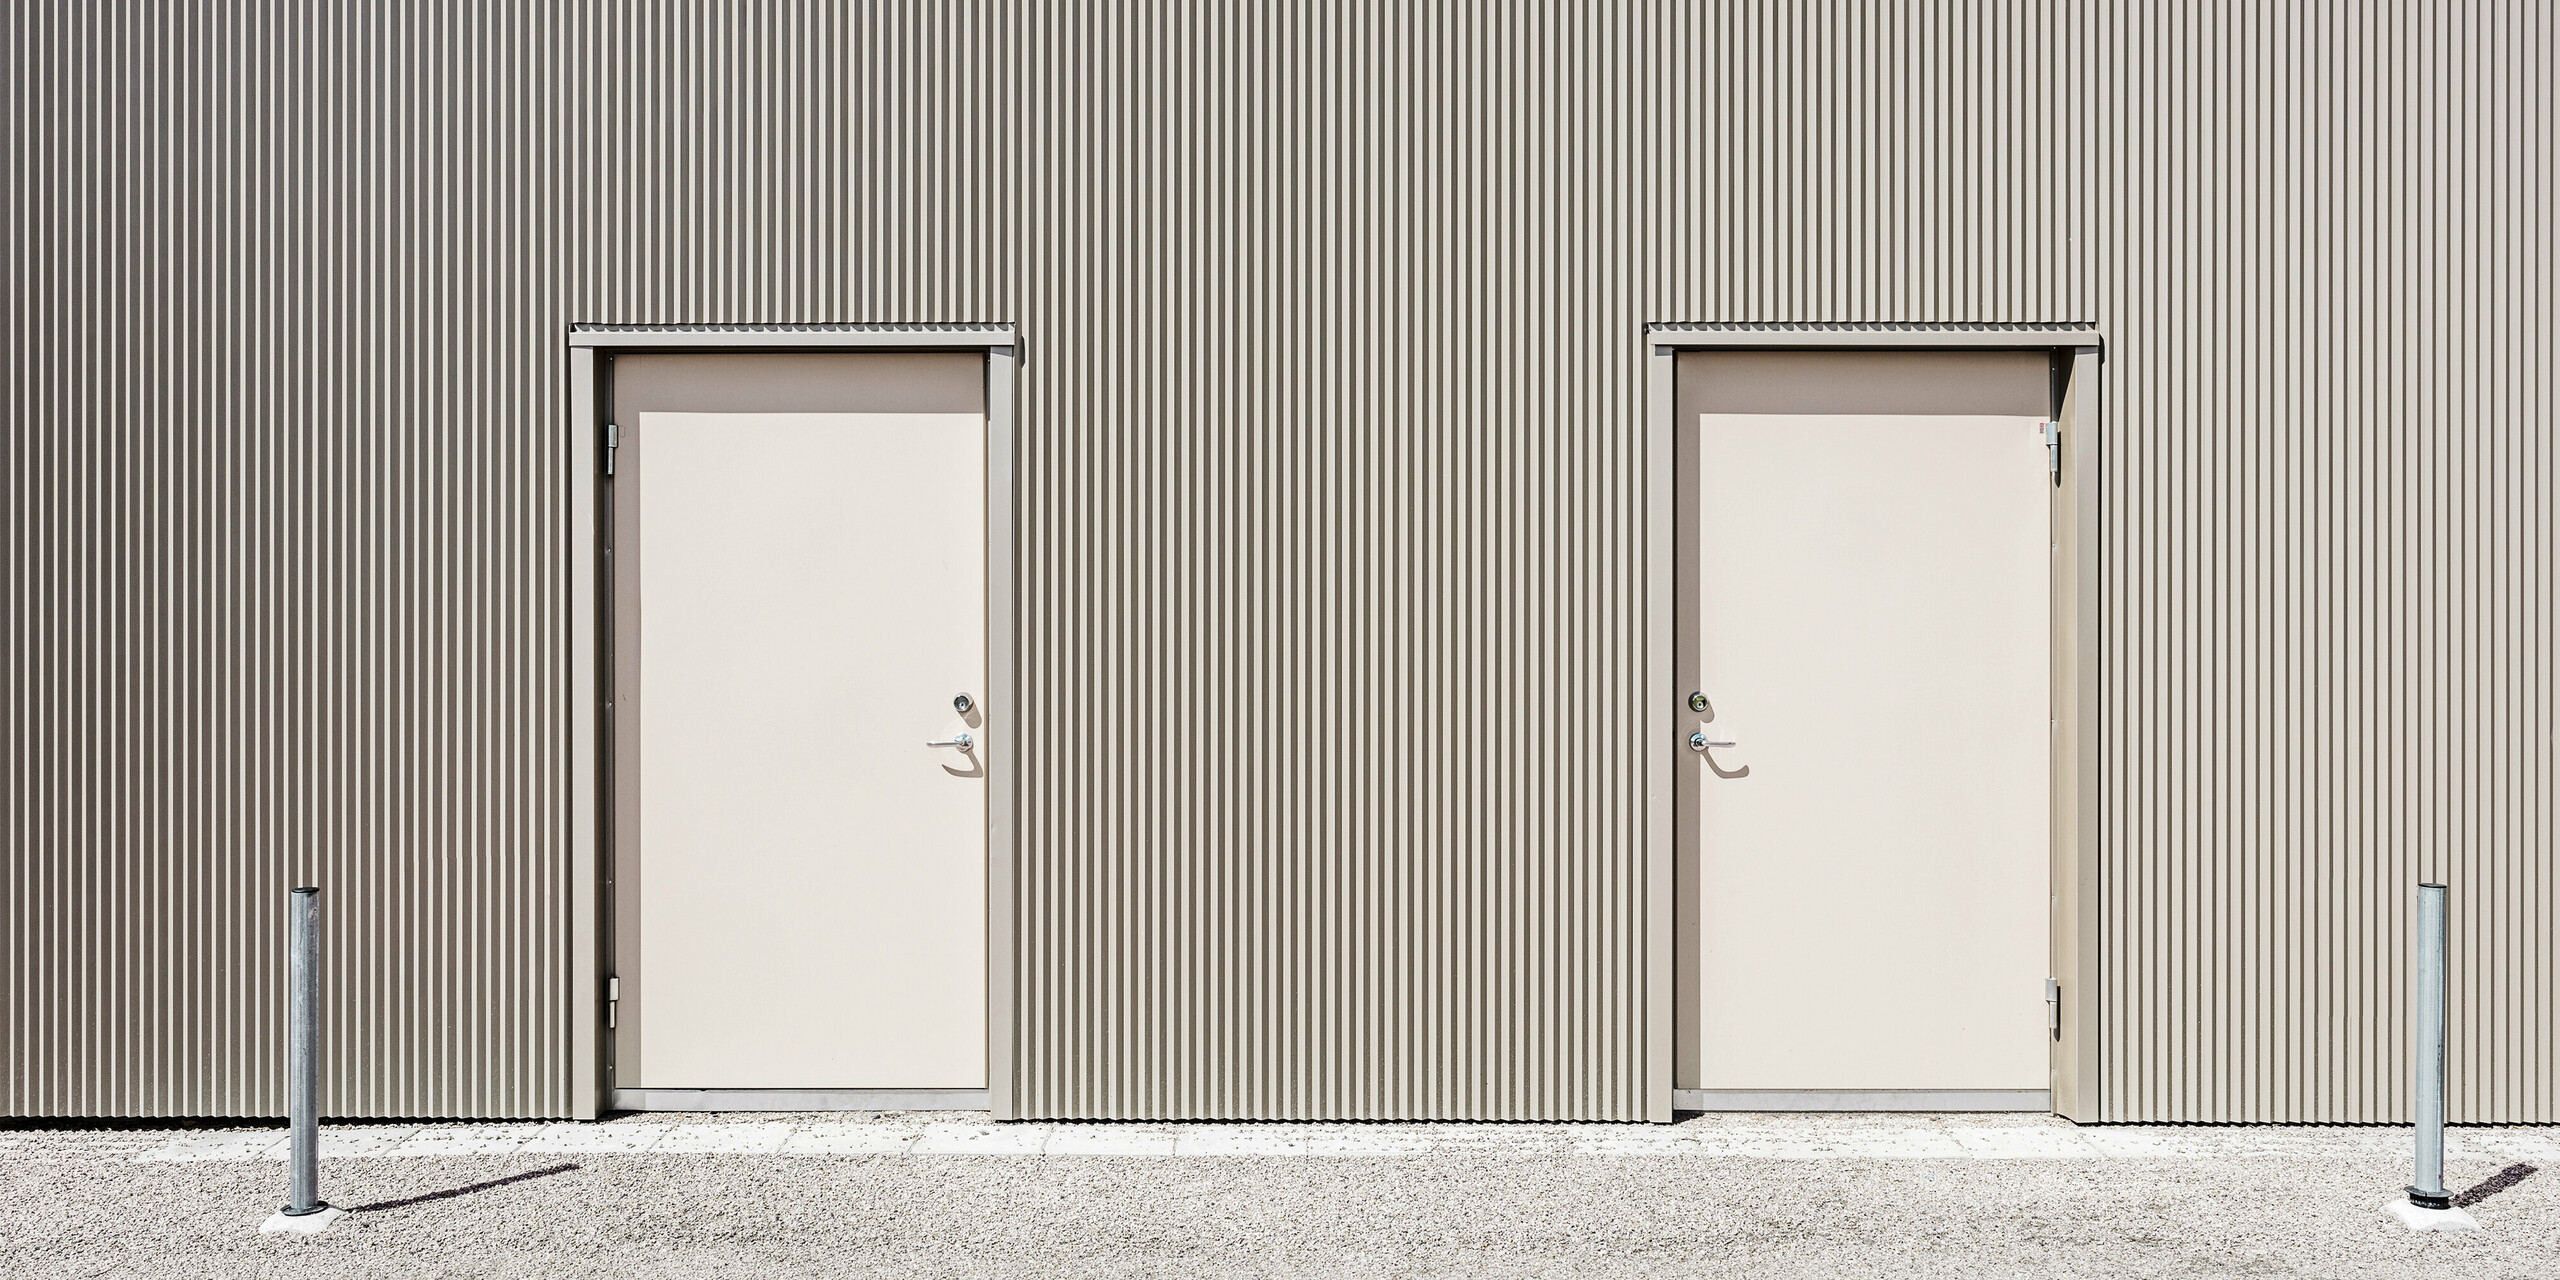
x=308 y=889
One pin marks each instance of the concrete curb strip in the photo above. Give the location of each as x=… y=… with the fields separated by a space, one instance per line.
x=1756 y=1138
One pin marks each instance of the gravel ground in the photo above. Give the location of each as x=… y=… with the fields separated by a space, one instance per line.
x=1502 y=1202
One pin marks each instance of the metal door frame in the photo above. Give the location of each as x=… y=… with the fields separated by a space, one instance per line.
x=590 y=636
x=2074 y=796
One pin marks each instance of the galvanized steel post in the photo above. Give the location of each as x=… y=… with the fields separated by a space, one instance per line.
x=2428 y=1191
x=302 y=1054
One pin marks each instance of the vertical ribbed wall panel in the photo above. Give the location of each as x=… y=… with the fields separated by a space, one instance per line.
x=1335 y=622
x=282 y=561
x=1332 y=527
x=2329 y=549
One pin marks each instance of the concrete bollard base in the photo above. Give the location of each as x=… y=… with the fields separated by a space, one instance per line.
x=309 y=1224
x=2417 y=1219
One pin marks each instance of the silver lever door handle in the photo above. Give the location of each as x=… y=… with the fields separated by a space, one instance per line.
x=957 y=740
x=1699 y=741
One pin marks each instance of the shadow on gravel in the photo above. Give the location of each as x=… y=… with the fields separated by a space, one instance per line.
x=450 y=1192
x=2493 y=1184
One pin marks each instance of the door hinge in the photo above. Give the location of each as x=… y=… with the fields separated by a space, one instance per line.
x=612 y=442
x=2052 y=449
x=612 y=1002
x=2053 y=1005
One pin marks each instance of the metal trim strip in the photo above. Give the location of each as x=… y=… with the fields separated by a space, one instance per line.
x=1874 y=335
x=906 y=337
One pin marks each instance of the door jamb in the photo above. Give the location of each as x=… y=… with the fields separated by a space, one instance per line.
x=2075 y=634
x=590 y=796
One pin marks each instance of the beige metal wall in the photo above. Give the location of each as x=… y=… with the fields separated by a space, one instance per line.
x=1333 y=498
x=2328 y=535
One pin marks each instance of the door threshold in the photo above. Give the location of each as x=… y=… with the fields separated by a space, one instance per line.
x=800 y=1100
x=1862 y=1099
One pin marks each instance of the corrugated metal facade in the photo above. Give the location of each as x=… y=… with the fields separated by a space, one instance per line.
x=2329 y=549
x=1333 y=620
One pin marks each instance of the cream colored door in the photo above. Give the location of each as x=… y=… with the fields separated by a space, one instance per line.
x=812 y=897
x=1864 y=871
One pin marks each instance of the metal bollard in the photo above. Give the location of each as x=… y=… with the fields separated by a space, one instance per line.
x=2428 y=1191
x=302 y=1055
